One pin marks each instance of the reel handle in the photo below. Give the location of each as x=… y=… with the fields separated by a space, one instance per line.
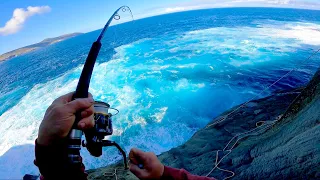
x=74 y=144
x=112 y=143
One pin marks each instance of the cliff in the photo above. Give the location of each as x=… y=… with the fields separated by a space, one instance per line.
x=33 y=47
x=277 y=137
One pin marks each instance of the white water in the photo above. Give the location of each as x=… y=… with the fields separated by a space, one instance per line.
x=158 y=87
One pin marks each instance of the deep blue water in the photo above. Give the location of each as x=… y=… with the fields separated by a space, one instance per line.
x=168 y=75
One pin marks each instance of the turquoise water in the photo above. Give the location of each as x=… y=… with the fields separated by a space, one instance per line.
x=168 y=75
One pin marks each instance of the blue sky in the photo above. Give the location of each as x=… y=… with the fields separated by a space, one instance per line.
x=40 y=19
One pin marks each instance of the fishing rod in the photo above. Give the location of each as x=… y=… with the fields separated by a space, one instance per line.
x=103 y=119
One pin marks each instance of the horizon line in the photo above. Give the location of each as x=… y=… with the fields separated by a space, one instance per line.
x=168 y=13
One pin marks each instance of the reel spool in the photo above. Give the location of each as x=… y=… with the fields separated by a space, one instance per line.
x=103 y=119
x=103 y=127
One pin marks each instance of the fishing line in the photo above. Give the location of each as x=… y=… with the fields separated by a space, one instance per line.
x=260 y=93
x=116 y=171
x=115 y=35
x=216 y=166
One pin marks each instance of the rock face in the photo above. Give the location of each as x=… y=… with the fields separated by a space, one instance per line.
x=283 y=141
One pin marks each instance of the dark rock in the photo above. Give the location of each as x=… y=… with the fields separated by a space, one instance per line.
x=286 y=149
x=30 y=177
x=257 y=111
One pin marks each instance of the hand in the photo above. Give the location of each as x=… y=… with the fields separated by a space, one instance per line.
x=60 y=116
x=152 y=167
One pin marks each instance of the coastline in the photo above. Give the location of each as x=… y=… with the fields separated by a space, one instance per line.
x=27 y=49
x=259 y=155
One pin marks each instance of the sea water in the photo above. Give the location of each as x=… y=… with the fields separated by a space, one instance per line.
x=168 y=75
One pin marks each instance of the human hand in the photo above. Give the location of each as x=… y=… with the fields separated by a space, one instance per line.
x=60 y=116
x=152 y=167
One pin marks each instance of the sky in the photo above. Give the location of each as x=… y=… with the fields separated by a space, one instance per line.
x=24 y=22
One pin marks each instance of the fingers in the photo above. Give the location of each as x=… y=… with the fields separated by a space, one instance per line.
x=86 y=123
x=140 y=173
x=137 y=156
x=79 y=104
x=67 y=98
x=152 y=167
x=133 y=158
x=64 y=99
x=87 y=112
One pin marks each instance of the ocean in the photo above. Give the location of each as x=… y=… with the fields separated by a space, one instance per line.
x=168 y=75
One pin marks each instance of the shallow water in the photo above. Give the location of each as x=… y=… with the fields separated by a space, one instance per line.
x=168 y=75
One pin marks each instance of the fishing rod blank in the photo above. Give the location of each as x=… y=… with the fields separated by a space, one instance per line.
x=95 y=140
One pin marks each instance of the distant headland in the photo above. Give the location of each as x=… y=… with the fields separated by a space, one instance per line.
x=33 y=47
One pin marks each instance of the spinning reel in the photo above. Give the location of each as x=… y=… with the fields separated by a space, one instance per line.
x=103 y=127
x=103 y=119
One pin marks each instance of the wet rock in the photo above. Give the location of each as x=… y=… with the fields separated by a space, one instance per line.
x=287 y=149
x=251 y=104
x=257 y=111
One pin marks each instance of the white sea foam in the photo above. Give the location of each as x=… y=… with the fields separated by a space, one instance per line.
x=306 y=33
x=160 y=115
x=247 y=42
x=139 y=89
x=19 y=127
x=111 y=83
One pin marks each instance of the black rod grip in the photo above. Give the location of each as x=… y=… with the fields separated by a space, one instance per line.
x=81 y=92
x=84 y=81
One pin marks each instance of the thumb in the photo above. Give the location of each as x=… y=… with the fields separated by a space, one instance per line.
x=137 y=156
x=79 y=104
x=140 y=173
